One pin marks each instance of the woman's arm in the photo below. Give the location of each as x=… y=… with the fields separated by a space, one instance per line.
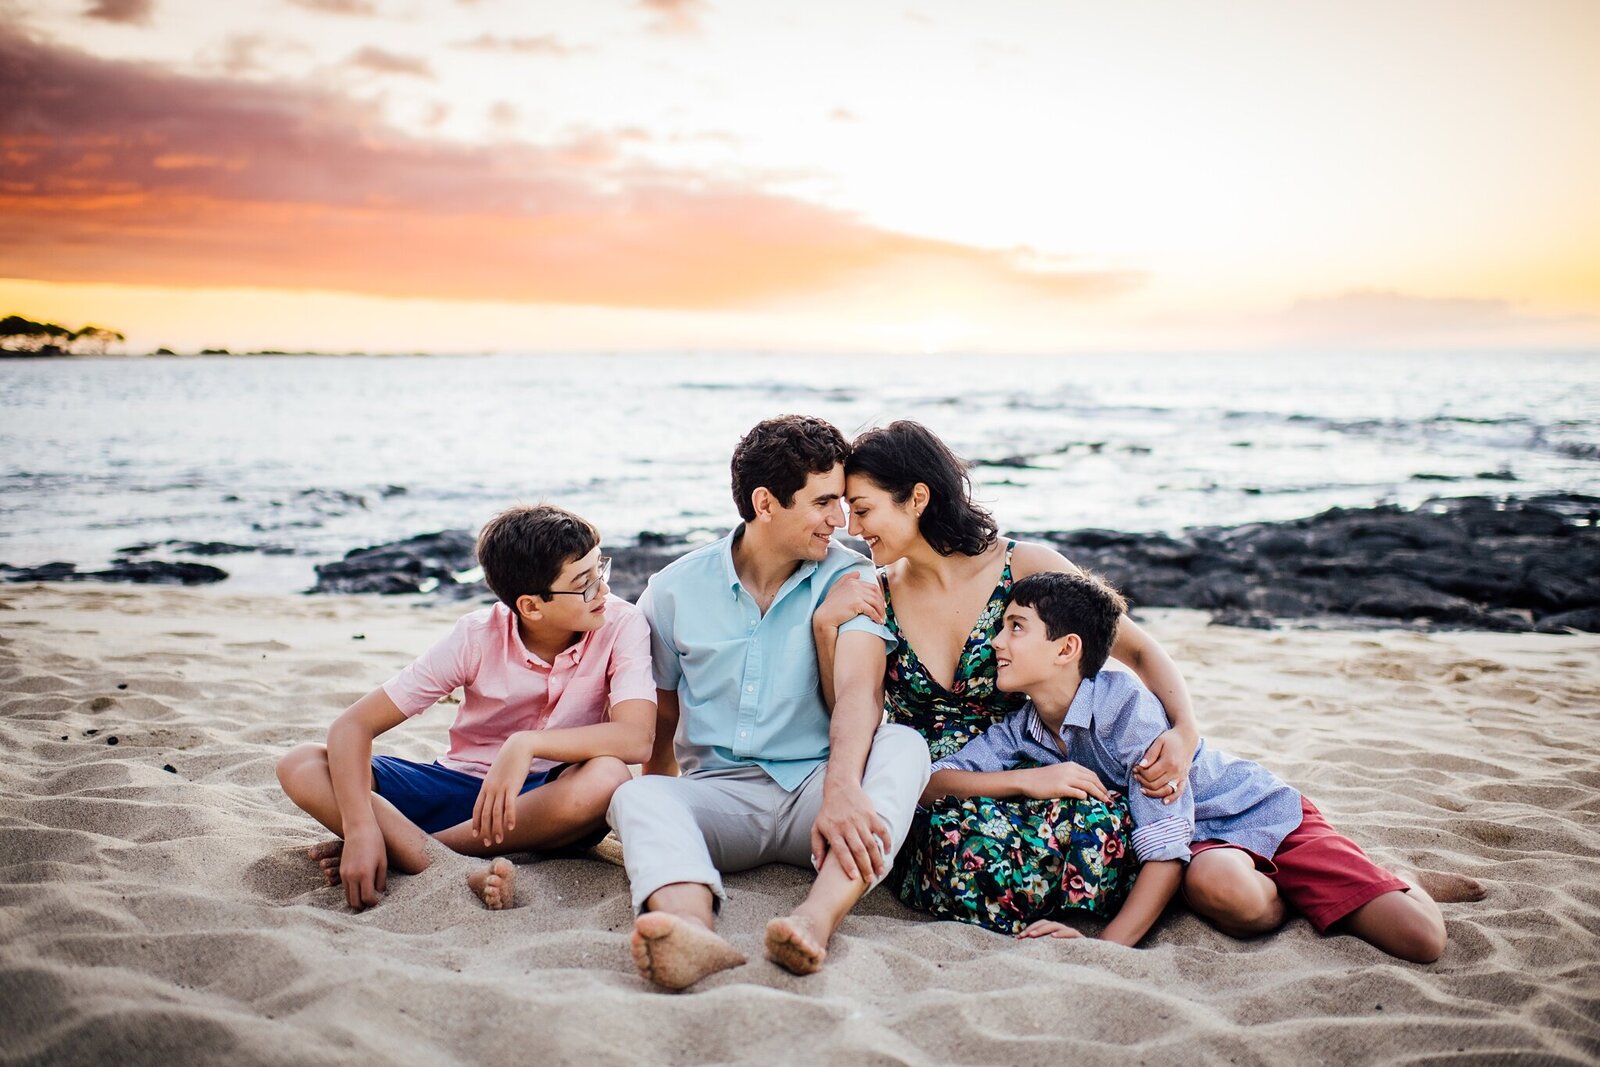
x=1169 y=756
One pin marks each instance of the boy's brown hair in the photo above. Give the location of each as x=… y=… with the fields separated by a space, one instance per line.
x=1084 y=604
x=523 y=549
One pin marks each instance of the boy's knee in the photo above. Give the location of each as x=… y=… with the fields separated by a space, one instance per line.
x=605 y=774
x=298 y=761
x=1417 y=938
x=1240 y=905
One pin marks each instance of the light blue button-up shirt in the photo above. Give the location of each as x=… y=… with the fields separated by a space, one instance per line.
x=748 y=691
x=1111 y=722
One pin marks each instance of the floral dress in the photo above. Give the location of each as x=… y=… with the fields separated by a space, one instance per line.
x=997 y=863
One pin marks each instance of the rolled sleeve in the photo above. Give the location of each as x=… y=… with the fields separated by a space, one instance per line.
x=862 y=624
x=996 y=749
x=629 y=675
x=436 y=673
x=1167 y=838
x=1160 y=831
x=663 y=656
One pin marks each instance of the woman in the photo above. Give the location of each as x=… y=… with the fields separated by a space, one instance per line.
x=944 y=579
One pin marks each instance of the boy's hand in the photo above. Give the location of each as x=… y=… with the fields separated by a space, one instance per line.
x=849 y=597
x=495 y=813
x=1049 y=928
x=364 y=866
x=1164 y=771
x=1063 y=780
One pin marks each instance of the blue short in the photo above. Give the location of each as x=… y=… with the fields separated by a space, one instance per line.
x=432 y=795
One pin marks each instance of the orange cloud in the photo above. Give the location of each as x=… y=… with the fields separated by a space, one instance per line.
x=675 y=16
x=121 y=10
x=123 y=173
x=338 y=7
x=382 y=62
x=541 y=45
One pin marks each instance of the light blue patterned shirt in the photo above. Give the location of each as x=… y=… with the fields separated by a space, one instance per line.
x=748 y=691
x=1111 y=722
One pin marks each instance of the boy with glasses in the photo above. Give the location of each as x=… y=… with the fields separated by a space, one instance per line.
x=558 y=698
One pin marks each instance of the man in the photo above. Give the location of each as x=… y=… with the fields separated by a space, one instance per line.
x=767 y=774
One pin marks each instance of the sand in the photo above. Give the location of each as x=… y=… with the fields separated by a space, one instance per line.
x=158 y=907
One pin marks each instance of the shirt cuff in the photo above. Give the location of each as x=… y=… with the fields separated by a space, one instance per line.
x=1166 y=839
x=634 y=691
x=865 y=625
x=410 y=702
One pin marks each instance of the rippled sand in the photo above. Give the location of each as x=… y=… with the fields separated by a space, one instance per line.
x=158 y=907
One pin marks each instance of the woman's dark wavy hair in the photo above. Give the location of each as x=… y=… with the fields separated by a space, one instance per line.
x=898 y=456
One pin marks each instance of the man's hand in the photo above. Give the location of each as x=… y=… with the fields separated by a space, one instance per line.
x=849 y=597
x=364 y=866
x=1164 y=771
x=848 y=826
x=1049 y=928
x=495 y=813
x=1069 y=780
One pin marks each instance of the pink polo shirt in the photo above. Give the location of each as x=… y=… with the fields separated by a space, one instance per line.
x=506 y=688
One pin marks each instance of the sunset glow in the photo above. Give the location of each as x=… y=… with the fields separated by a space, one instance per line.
x=446 y=175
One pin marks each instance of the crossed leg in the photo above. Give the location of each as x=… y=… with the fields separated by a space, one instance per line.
x=555 y=814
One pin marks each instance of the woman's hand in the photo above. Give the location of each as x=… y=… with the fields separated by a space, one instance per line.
x=1069 y=780
x=849 y=597
x=1050 y=928
x=495 y=813
x=1164 y=771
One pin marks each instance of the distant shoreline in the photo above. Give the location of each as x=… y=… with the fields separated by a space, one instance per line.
x=9 y=353
x=1475 y=563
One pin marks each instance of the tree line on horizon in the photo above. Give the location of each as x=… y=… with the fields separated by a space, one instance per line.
x=23 y=335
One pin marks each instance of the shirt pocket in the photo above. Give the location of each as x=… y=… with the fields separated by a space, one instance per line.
x=794 y=670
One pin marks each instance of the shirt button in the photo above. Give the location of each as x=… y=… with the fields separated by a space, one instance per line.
x=749 y=689
x=744 y=733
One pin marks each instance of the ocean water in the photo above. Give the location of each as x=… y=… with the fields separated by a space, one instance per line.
x=311 y=456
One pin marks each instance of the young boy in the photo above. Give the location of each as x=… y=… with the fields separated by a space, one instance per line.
x=1240 y=844
x=558 y=700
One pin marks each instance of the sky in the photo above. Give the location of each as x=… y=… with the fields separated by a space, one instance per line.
x=918 y=176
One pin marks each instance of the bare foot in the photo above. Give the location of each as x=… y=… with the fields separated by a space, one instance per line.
x=493 y=883
x=675 y=953
x=792 y=945
x=326 y=855
x=1447 y=888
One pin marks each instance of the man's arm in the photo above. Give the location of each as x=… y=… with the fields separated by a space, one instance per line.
x=663 y=760
x=852 y=595
x=847 y=823
x=364 y=862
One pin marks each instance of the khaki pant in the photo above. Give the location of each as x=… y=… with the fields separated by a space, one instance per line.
x=690 y=829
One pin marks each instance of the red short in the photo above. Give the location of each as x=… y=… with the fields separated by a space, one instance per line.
x=1319 y=871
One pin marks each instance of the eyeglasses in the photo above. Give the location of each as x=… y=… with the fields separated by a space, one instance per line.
x=592 y=589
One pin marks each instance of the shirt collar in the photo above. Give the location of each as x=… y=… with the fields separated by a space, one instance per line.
x=731 y=573
x=532 y=658
x=1080 y=713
